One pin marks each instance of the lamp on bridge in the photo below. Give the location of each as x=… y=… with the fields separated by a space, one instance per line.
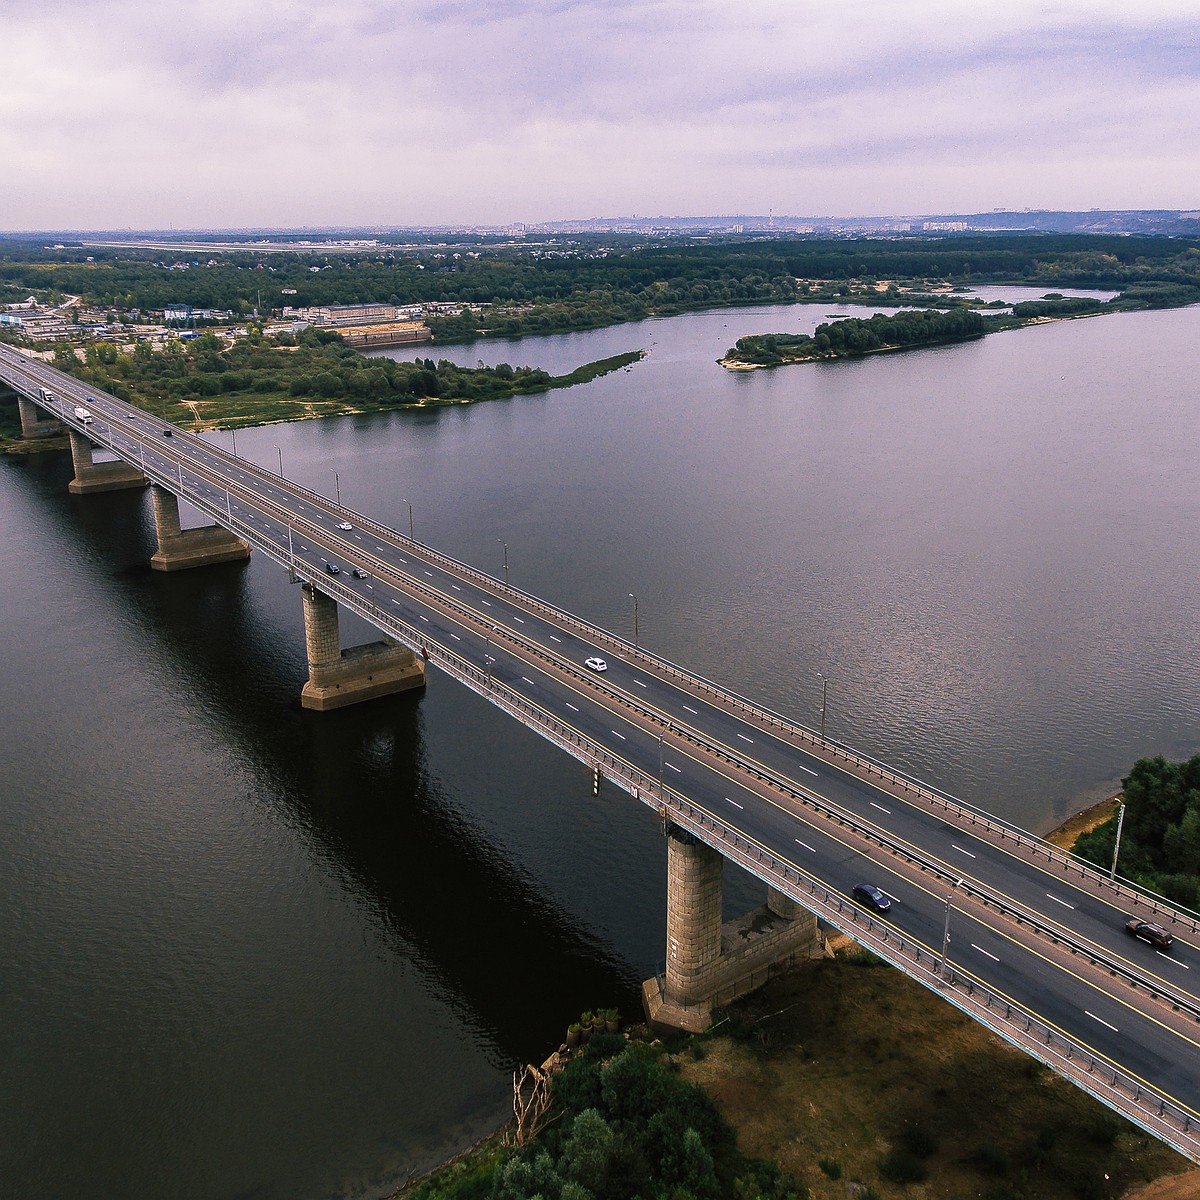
x=635 y=620
x=824 y=696
x=337 y=487
x=410 y=521
x=505 y=545
x=280 y=453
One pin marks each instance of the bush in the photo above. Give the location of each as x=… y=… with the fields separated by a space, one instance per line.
x=902 y=1166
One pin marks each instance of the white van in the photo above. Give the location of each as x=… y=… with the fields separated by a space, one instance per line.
x=82 y=414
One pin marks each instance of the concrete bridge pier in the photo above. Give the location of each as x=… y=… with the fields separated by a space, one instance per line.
x=34 y=422
x=338 y=677
x=709 y=963
x=179 y=549
x=99 y=477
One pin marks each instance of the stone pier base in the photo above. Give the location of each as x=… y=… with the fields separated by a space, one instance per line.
x=99 y=477
x=35 y=423
x=338 y=677
x=710 y=964
x=180 y=549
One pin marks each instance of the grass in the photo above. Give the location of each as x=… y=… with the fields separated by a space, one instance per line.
x=845 y=1076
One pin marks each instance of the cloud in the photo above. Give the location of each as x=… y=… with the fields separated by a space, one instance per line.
x=133 y=113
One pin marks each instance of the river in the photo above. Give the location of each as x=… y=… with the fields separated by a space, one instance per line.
x=250 y=951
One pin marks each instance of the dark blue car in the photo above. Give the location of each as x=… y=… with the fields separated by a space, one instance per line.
x=869 y=895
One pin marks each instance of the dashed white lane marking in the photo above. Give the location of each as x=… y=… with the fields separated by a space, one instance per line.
x=881 y=808
x=488 y=603
x=640 y=683
x=746 y=739
x=961 y=850
x=984 y=952
x=1058 y=901
x=555 y=639
x=456 y=637
x=677 y=770
x=572 y=707
x=620 y=735
x=733 y=802
x=423 y=616
x=518 y=620
x=693 y=711
x=1101 y=1021
x=800 y=843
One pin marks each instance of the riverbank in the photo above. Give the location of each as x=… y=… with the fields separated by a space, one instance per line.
x=859 y=1081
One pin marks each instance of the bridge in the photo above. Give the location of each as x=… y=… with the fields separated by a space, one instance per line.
x=1025 y=939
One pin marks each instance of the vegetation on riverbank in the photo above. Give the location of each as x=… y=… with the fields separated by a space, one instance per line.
x=843 y=1077
x=259 y=379
x=1160 y=835
x=589 y=280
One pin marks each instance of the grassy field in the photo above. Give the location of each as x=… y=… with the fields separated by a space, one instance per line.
x=848 y=1073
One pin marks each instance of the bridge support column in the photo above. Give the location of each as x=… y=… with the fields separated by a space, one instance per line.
x=99 y=477
x=709 y=963
x=35 y=423
x=180 y=549
x=338 y=677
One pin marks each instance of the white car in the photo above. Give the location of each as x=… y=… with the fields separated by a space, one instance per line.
x=595 y=664
x=344 y=525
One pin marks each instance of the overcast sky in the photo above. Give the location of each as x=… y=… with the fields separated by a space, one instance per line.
x=146 y=113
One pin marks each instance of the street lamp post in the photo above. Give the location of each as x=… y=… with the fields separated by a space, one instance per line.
x=280 y=453
x=505 y=545
x=946 y=930
x=233 y=432
x=824 y=697
x=410 y=521
x=635 y=620
x=1117 y=845
x=337 y=487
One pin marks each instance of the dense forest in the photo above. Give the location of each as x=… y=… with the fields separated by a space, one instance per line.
x=582 y=282
x=852 y=336
x=1160 y=837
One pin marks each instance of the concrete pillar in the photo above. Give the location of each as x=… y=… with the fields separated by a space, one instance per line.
x=709 y=963
x=99 y=477
x=695 y=893
x=338 y=677
x=180 y=549
x=35 y=423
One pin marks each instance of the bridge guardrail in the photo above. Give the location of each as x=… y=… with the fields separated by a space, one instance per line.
x=374 y=613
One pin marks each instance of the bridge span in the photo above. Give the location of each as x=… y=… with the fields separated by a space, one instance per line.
x=1025 y=939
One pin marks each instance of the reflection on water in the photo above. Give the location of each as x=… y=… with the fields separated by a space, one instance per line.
x=253 y=951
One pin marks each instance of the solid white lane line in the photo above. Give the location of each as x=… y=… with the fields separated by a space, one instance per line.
x=961 y=850
x=984 y=952
x=798 y=842
x=1058 y=901
x=733 y=802
x=1101 y=1021
x=881 y=808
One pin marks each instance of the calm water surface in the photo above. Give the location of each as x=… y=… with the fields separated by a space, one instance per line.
x=250 y=951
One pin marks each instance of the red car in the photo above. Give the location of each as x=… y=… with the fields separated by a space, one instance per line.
x=1149 y=931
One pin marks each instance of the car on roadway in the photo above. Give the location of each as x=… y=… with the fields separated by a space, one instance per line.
x=167 y=433
x=359 y=573
x=333 y=568
x=595 y=664
x=344 y=525
x=1149 y=931
x=870 y=896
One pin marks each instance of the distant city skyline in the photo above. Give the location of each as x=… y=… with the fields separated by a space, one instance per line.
x=370 y=114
